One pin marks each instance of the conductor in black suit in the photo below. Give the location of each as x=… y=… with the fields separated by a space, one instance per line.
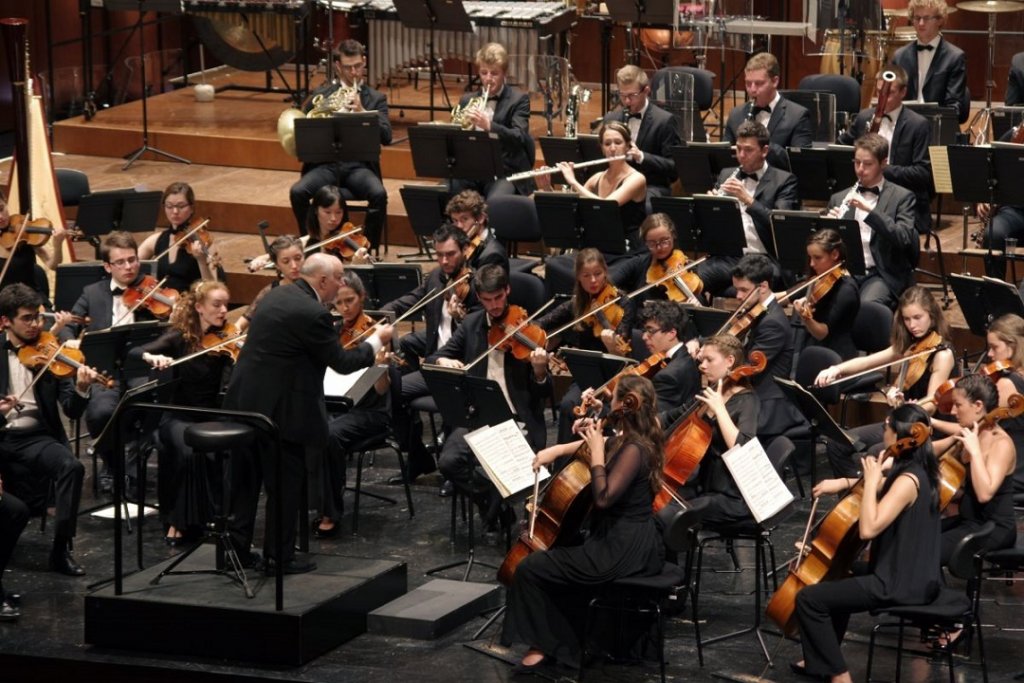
x=361 y=178
x=788 y=123
x=654 y=132
x=908 y=134
x=507 y=115
x=760 y=189
x=936 y=69
x=525 y=384
x=885 y=212
x=280 y=374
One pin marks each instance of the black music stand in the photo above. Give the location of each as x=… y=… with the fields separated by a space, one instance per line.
x=944 y=122
x=987 y=175
x=639 y=13
x=445 y=151
x=143 y=6
x=698 y=164
x=557 y=213
x=983 y=299
x=721 y=225
x=821 y=172
x=425 y=205
x=707 y=322
x=434 y=15
x=791 y=228
x=574 y=151
x=1004 y=119
x=680 y=210
x=592 y=368
x=101 y=212
x=602 y=228
x=569 y=221
x=818 y=418
x=343 y=137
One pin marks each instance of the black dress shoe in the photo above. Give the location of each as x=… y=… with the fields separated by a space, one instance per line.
x=105 y=483
x=447 y=489
x=63 y=563
x=414 y=472
x=801 y=670
x=319 y=532
x=291 y=566
x=9 y=612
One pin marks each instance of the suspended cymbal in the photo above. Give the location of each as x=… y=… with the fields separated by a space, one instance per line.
x=991 y=6
x=902 y=11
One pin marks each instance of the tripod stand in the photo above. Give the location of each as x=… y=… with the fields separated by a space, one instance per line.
x=143 y=6
x=983 y=119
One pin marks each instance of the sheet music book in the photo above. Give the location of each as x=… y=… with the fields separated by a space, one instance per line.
x=760 y=484
x=505 y=456
x=942 y=177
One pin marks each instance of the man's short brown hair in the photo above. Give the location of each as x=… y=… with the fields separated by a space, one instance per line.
x=119 y=239
x=766 y=61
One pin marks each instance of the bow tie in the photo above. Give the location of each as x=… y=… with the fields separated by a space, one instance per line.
x=888 y=117
x=755 y=110
x=919 y=47
x=117 y=291
x=743 y=175
x=861 y=189
x=8 y=345
x=629 y=115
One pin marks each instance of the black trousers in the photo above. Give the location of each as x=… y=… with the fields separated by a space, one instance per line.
x=101 y=406
x=345 y=431
x=355 y=177
x=845 y=461
x=1008 y=221
x=873 y=288
x=13 y=518
x=44 y=458
x=190 y=483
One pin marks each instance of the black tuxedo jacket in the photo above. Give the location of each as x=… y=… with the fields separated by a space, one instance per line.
x=490 y=252
x=435 y=282
x=1015 y=86
x=657 y=135
x=527 y=394
x=788 y=126
x=946 y=80
x=511 y=123
x=280 y=372
x=371 y=100
x=776 y=190
x=909 y=164
x=895 y=245
x=677 y=383
x=772 y=334
x=97 y=302
x=49 y=391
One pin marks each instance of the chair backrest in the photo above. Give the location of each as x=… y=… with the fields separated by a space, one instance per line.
x=821 y=107
x=513 y=218
x=703 y=85
x=961 y=562
x=73 y=185
x=527 y=291
x=814 y=359
x=872 y=327
x=845 y=88
x=678 y=523
x=779 y=451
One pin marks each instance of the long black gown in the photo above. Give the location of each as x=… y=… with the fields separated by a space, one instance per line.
x=623 y=541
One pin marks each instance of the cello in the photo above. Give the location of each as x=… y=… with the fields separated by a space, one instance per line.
x=836 y=545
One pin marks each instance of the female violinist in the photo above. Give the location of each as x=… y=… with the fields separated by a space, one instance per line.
x=189 y=484
x=918 y=325
x=899 y=514
x=830 y=307
x=287 y=256
x=369 y=417
x=658 y=234
x=625 y=472
x=24 y=268
x=733 y=409
x=1006 y=343
x=591 y=283
x=179 y=265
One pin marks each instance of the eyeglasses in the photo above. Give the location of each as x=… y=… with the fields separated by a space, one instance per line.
x=176 y=207
x=124 y=262
x=652 y=330
x=350 y=67
x=657 y=244
x=625 y=96
x=30 y=318
x=926 y=18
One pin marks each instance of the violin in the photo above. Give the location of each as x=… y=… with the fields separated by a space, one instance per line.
x=649 y=368
x=35 y=232
x=146 y=292
x=346 y=247
x=913 y=370
x=463 y=288
x=607 y=315
x=748 y=313
x=199 y=246
x=213 y=342
x=690 y=435
x=513 y=333
x=683 y=287
x=48 y=353
x=351 y=335
x=836 y=545
x=943 y=396
x=822 y=287
x=475 y=240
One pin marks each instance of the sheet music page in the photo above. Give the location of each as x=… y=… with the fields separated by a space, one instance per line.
x=337 y=385
x=941 y=175
x=506 y=457
x=760 y=484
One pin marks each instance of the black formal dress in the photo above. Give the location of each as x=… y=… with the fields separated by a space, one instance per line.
x=189 y=483
x=1015 y=428
x=511 y=123
x=280 y=374
x=838 y=309
x=946 y=80
x=623 y=541
x=361 y=178
x=903 y=570
x=184 y=270
x=789 y=125
x=973 y=514
x=25 y=270
x=657 y=135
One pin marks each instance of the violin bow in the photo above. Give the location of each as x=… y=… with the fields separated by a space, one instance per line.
x=591 y=312
x=668 y=276
x=883 y=366
x=138 y=303
x=182 y=239
x=17 y=238
x=330 y=240
x=803 y=285
x=430 y=297
x=510 y=334
x=203 y=352
x=533 y=508
x=740 y=310
x=807 y=532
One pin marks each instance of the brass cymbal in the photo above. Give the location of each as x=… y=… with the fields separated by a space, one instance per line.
x=902 y=11
x=992 y=6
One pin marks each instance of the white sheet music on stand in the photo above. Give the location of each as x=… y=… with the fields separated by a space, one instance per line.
x=337 y=385
x=505 y=456
x=760 y=484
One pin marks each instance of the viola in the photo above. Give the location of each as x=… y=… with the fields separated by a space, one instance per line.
x=690 y=435
x=475 y=240
x=913 y=370
x=35 y=232
x=744 y=318
x=147 y=292
x=607 y=315
x=513 y=333
x=649 y=368
x=49 y=354
x=822 y=287
x=346 y=246
x=836 y=545
x=213 y=342
x=683 y=287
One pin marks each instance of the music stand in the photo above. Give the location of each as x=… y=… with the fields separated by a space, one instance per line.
x=680 y=210
x=341 y=396
x=983 y=299
x=791 y=228
x=592 y=368
x=707 y=321
x=440 y=151
x=343 y=137
x=986 y=175
x=945 y=126
x=557 y=213
x=840 y=165
x=698 y=164
x=817 y=416
x=102 y=212
x=434 y=15
x=1004 y=119
x=393 y=280
x=143 y=6
x=425 y=205
x=464 y=401
x=602 y=228
x=107 y=350
x=821 y=107
x=71 y=278
x=721 y=225
x=572 y=150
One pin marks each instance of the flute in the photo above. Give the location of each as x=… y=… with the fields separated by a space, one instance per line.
x=548 y=170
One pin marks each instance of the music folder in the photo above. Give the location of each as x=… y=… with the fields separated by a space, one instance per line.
x=790 y=230
x=591 y=369
x=348 y=390
x=721 y=224
x=466 y=401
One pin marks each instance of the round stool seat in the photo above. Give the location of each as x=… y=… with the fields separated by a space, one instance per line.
x=424 y=403
x=219 y=435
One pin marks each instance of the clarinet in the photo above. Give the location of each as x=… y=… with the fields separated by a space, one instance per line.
x=717 y=188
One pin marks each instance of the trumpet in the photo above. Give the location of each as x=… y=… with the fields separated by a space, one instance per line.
x=459 y=113
x=548 y=170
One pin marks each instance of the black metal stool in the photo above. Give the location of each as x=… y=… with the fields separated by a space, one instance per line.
x=218 y=438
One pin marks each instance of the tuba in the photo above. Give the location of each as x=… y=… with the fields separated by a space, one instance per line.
x=577 y=95
x=338 y=102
